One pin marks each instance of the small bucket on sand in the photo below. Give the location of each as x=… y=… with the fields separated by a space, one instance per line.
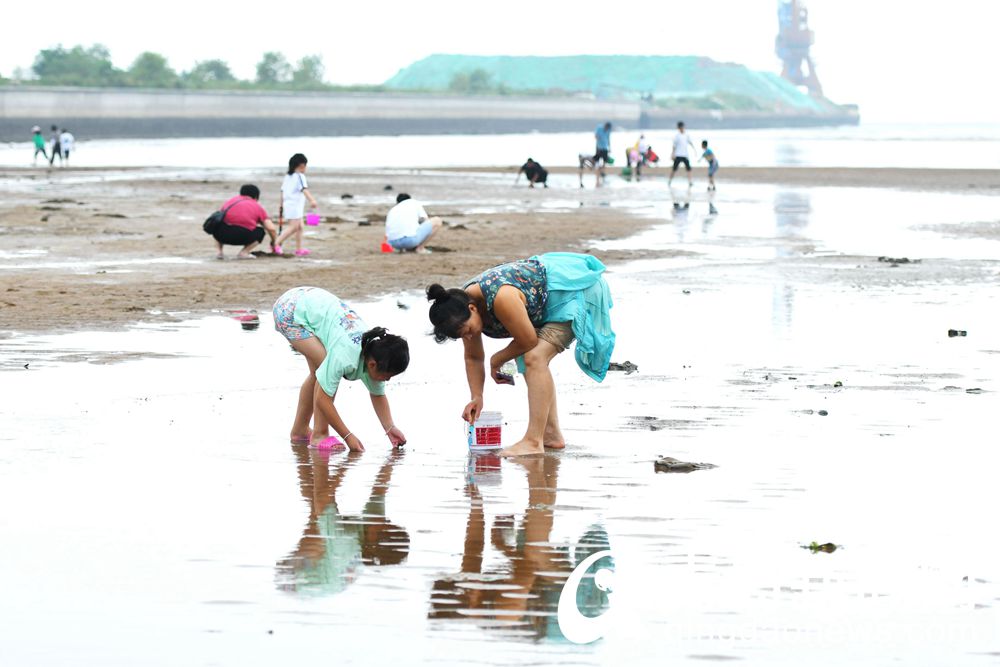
x=312 y=219
x=484 y=435
x=386 y=247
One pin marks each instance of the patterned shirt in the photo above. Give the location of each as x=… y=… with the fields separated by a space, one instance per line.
x=527 y=275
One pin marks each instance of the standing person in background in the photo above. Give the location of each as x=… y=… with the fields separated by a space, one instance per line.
x=66 y=141
x=534 y=172
x=55 y=146
x=36 y=136
x=603 y=137
x=407 y=226
x=294 y=192
x=679 y=153
x=713 y=164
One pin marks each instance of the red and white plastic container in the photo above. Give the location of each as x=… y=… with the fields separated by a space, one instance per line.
x=485 y=434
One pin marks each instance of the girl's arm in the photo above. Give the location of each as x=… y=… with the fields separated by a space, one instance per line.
x=381 y=406
x=312 y=202
x=323 y=405
x=510 y=309
x=476 y=375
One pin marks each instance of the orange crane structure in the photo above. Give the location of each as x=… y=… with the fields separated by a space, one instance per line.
x=792 y=45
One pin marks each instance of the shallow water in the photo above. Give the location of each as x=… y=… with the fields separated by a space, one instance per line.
x=867 y=145
x=145 y=498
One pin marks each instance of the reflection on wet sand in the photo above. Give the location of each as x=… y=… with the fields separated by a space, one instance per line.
x=792 y=209
x=334 y=546
x=520 y=597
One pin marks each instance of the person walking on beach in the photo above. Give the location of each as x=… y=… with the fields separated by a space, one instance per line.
x=39 y=141
x=713 y=164
x=407 y=225
x=679 y=153
x=55 y=146
x=66 y=141
x=244 y=223
x=337 y=345
x=542 y=304
x=294 y=193
x=534 y=172
x=602 y=152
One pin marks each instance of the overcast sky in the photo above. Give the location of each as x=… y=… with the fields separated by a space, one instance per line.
x=901 y=60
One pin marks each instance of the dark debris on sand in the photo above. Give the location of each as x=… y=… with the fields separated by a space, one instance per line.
x=670 y=464
x=626 y=366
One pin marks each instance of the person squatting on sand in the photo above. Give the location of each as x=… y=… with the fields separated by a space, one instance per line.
x=294 y=192
x=337 y=345
x=244 y=223
x=407 y=226
x=534 y=172
x=542 y=303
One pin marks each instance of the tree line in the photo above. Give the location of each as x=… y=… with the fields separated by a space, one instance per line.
x=92 y=66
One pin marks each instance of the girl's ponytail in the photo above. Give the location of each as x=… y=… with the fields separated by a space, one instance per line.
x=391 y=353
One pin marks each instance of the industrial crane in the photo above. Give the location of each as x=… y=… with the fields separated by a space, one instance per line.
x=792 y=45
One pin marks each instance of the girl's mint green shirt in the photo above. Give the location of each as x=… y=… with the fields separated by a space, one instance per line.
x=339 y=328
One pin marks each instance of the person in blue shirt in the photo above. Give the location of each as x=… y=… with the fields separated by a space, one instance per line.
x=603 y=136
x=713 y=165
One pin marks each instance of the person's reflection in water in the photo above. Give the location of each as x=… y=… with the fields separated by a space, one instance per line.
x=334 y=547
x=522 y=596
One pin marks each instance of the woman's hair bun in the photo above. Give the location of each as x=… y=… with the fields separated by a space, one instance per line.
x=436 y=292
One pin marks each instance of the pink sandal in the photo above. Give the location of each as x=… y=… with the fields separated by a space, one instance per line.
x=329 y=443
x=302 y=252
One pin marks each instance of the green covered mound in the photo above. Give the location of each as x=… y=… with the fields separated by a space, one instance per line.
x=674 y=81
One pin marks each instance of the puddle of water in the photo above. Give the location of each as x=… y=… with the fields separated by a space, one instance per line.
x=90 y=264
x=159 y=495
x=852 y=221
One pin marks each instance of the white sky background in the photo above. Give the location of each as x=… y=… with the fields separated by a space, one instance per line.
x=901 y=60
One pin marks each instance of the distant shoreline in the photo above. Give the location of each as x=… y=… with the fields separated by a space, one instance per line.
x=161 y=114
x=971 y=181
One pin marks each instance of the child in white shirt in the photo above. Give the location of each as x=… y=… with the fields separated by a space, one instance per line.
x=294 y=192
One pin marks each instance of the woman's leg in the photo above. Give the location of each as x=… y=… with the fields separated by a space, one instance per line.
x=314 y=352
x=248 y=248
x=553 y=437
x=541 y=394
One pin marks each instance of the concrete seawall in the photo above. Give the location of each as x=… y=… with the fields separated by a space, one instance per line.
x=130 y=113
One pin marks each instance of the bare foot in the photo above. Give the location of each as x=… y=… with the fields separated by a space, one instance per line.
x=300 y=438
x=523 y=448
x=554 y=439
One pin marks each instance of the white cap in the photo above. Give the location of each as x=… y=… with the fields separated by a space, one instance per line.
x=36 y=129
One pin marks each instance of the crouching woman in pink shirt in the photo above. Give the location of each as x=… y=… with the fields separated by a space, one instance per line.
x=244 y=223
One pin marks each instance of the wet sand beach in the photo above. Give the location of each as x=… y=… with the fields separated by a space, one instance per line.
x=791 y=333
x=93 y=248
